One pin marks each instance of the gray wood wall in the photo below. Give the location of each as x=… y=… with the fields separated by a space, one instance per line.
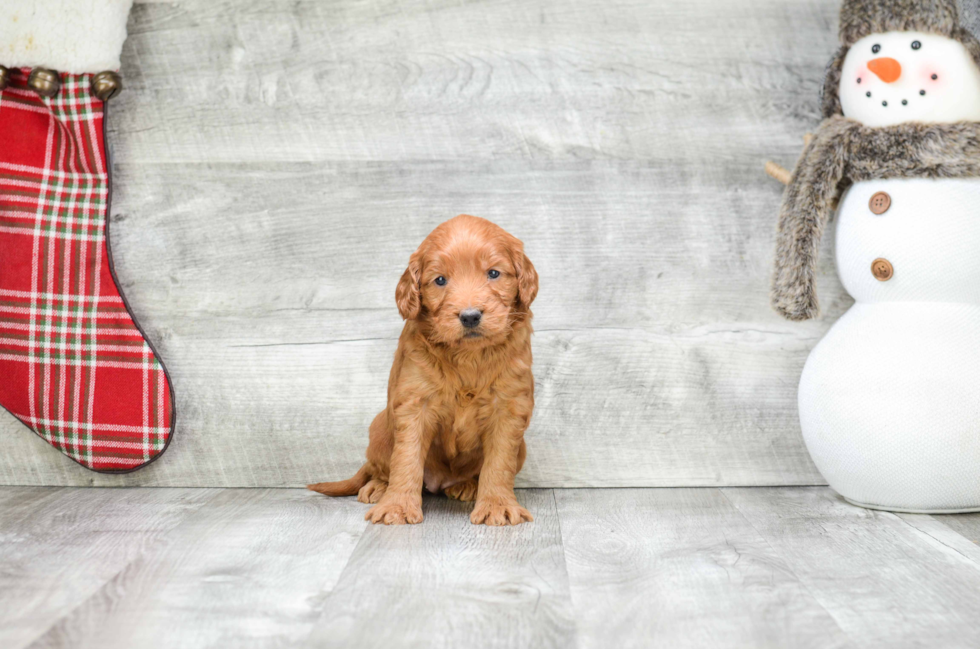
x=277 y=161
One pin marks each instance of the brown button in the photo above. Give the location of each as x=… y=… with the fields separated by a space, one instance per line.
x=880 y=203
x=882 y=270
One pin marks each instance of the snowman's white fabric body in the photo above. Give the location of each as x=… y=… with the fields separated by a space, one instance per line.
x=890 y=399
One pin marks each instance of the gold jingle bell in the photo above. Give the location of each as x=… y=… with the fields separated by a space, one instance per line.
x=44 y=82
x=4 y=77
x=106 y=85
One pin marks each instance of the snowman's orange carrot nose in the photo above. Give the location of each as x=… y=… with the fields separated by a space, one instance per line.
x=888 y=70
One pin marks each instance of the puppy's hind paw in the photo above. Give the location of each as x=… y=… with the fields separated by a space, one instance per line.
x=372 y=492
x=464 y=491
x=395 y=511
x=499 y=514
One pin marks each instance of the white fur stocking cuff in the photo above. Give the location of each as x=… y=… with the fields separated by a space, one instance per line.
x=65 y=35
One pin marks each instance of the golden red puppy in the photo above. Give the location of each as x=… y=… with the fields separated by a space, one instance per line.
x=460 y=392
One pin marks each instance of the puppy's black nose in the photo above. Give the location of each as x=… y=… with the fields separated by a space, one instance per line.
x=471 y=318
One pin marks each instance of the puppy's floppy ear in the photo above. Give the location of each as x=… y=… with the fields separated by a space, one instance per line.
x=527 y=278
x=408 y=295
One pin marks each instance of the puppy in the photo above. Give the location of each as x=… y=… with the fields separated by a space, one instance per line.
x=460 y=392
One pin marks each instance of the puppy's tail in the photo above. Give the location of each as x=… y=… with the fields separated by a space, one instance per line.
x=347 y=487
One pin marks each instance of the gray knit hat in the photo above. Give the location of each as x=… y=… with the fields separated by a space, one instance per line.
x=859 y=18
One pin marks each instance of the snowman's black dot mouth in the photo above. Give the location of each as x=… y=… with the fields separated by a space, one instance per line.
x=905 y=102
x=859 y=79
x=922 y=92
x=935 y=76
x=885 y=104
x=868 y=94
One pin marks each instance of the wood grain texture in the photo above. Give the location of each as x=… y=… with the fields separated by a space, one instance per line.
x=277 y=161
x=449 y=583
x=886 y=582
x=945 y=531
x=252 y=568
x=678 y=568
x=58 y=547
x=681 y=568
x=967 y=525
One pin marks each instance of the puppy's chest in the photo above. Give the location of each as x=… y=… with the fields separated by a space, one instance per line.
x=470 y=392
x=467 y=418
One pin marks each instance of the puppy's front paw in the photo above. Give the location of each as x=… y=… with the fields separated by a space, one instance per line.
x=396 y=510
x=497 y=513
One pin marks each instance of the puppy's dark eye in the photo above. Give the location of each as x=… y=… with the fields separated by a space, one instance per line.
x=875 y=48
x=441 y=281
x=493 y=274
x=916 y=45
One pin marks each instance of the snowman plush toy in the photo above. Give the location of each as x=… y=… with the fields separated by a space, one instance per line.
x=890 y=399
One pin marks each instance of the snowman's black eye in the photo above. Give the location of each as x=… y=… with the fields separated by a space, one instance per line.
x=441 y=281
x=875 y=48
x=916 y=45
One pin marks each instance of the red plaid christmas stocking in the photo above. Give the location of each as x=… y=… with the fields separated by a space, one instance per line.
x=74 y=365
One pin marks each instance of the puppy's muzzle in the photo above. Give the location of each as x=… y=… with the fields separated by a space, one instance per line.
x=471 y=318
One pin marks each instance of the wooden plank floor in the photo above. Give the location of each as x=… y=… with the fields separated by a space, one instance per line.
x=762 y=567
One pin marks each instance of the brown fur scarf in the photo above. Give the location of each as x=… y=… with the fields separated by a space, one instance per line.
x=841 y=153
